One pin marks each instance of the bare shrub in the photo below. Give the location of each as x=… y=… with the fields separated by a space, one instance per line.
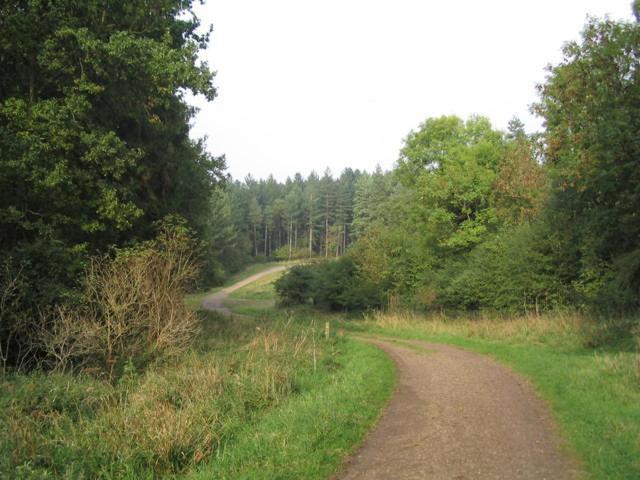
x=14 y=320
x=65 y=336
x=133 y=310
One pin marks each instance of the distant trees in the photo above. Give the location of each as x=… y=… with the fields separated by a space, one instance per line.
x=474 y=218
x=455 y=225
x=298 y=218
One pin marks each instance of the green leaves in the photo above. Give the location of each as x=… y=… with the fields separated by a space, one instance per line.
x=591 y=107
x=94 y=130
x=452 y=166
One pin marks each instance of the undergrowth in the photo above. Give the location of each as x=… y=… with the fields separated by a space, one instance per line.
x=157 y=423
x=214 y=409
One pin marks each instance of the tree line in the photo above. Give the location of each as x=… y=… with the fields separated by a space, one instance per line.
x=96 y=162
x=298 y=218
x=474 y=218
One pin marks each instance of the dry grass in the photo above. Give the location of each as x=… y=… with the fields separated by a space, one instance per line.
x=158 y=422
x=531 y=329
x=562 y=330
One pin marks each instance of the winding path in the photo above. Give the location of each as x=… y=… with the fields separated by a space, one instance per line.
x=458 y=415
x=455 y=415
x=215 y=301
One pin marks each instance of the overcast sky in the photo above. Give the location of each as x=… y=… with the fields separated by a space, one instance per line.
x=304 y=85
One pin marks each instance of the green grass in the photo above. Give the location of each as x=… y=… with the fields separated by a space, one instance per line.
x=262 y=396
x=257 y=299
x=594 y=394
x=195 y=299
x=261 y=289
x=309 y=436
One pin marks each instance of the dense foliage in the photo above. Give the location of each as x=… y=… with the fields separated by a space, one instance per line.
x=591 y=105
x=94 y=143
x=474 y=218
x=336 y=285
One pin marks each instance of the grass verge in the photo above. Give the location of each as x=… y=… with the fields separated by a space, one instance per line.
x=308 y=436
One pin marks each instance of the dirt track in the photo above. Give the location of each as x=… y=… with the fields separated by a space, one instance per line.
x=215 y=301
x=455 y=415
x=458 y=415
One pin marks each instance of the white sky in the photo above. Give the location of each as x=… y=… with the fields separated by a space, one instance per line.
x=303 y=85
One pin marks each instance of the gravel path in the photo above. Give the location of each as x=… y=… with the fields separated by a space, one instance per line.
x=458 y=415
x=455 y=415
x=215 y=301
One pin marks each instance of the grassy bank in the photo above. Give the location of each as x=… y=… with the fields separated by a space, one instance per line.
x=255 y=397
x=308 y=436
x=593 y=392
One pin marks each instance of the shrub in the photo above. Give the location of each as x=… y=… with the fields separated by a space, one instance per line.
x=510 y=272
x=133 y=309
x=334 y=285
x=295 y=286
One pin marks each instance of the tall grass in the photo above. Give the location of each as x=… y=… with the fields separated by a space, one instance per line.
x=156 y=423
x=561 y=328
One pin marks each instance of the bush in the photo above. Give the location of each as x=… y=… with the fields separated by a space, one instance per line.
x=509 y=273
x=133 y=309
x=295 y=287
x=333 y=285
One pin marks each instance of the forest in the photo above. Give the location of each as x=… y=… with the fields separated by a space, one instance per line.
x=111 y=214
x=473 y=218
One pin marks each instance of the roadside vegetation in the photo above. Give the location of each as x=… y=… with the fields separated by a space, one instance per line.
x=249 y=398
x=594 y=393
x=523 y=247
x=586 y=370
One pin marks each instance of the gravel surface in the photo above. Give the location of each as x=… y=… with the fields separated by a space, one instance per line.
x=459 y=415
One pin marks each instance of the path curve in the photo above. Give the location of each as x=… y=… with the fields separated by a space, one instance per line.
x=459 y=415
x=215 y=301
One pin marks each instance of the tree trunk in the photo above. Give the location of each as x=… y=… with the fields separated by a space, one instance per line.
x=266 y=238
x=311 y=228
x=326 y=227
x=255 y=240
x=344 y=238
